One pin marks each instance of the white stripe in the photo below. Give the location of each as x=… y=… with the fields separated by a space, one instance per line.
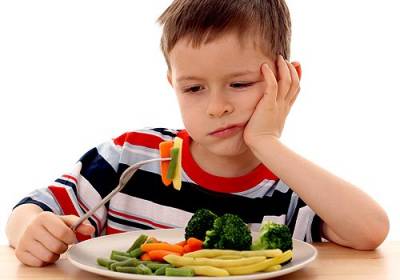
x=292 y=207
x=275 y=219
x=111 y=153
x=303 y=222
x=259 y=190
x=279 y=186
x=90 y=198
x=121 y=227
x=149 y=131
x=148 y=210
x=254 y=227
x=133 y=220
x=68 y=179
x=46 y=197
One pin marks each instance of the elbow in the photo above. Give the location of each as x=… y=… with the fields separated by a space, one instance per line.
x=375 y=235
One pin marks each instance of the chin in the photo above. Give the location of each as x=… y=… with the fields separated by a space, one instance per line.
x=227 y=150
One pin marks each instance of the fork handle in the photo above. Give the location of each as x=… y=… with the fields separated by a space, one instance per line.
x=93 y=210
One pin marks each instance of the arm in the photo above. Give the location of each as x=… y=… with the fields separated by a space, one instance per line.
x=40 y=237
x=351 y=218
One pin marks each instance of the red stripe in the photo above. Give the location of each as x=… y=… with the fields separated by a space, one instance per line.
x=81 y=202
x=217 y=183
x=111 y=230
x=67 y=206
x=139 y=139
x=71 y=178
x=64 y=200
x=138 y=219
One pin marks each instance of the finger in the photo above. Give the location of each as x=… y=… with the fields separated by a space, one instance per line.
x=42 y=253
x=27 y=258
x=284 y=79
x=84 y=228
x=59 y=228
x=291 y=102
x=295 y=85
x=271 y=88
x=52 y=243
x=297 y=66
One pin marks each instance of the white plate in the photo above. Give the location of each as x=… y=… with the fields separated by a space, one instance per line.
x=84 y=254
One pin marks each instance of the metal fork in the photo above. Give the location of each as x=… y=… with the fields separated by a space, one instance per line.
x=125 y=177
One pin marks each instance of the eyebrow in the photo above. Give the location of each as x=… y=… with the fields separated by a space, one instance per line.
x=231 y=75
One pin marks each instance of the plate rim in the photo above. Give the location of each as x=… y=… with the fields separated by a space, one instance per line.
x=118 y=275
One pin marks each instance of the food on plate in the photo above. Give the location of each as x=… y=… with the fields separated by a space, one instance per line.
x=201 y=221
x=228 y=232
x=213 y=246
x=273 y=236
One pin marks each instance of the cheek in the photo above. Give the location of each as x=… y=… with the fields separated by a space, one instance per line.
x=189 y=111
x=250 y=100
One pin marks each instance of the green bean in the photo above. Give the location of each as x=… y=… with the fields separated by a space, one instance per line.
x=143 y=269
x=135 y=253
x=120 y=253
x=119 y=258
x=139 y=241
x=128 y=262
x=185 y=272
x=155 y=265
x=127 y=269
x=161 y=269
x=105 y=262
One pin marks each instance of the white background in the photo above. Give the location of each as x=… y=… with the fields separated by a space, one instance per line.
x=76 y=73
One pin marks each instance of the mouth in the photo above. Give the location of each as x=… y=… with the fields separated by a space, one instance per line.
x=227 y=128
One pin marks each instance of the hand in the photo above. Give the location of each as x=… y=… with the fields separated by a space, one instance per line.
x=269 y=117
x=47 y=237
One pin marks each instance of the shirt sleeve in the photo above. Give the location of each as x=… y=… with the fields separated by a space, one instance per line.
x=303 y=222
x=92 y=178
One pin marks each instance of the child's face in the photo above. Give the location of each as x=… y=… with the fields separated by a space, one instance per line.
x=218 y=85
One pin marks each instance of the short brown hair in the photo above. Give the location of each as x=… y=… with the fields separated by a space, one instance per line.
x=201 y=21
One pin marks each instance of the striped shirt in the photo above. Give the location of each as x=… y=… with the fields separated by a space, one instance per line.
x=145 y=203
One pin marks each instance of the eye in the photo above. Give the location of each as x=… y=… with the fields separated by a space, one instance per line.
x=193 y=89
x=241 y=85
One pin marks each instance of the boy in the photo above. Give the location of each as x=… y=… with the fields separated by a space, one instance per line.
x=227 y=64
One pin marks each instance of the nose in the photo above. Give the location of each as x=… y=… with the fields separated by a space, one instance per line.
x=219 y=105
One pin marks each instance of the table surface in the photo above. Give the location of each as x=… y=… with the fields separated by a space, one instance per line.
x=333 y=263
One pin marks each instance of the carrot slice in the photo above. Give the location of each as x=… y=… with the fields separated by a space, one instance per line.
x=181 y=243
x=165 y=151
x=158 y=255
x=147 y=247
x=194 y=244
x=145 y=257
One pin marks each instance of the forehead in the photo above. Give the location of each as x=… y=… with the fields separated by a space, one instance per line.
x=228 y=52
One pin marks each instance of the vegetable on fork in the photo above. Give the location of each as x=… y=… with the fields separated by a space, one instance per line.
x=171 y=170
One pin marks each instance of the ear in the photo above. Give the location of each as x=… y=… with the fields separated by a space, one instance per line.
x=297 y=66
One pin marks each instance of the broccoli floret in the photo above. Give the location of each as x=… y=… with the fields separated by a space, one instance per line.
x=273 y=236
x=201 y=221
x=228 y=232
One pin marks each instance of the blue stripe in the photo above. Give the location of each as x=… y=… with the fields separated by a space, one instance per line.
x=98 y=172
x=27 y=200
